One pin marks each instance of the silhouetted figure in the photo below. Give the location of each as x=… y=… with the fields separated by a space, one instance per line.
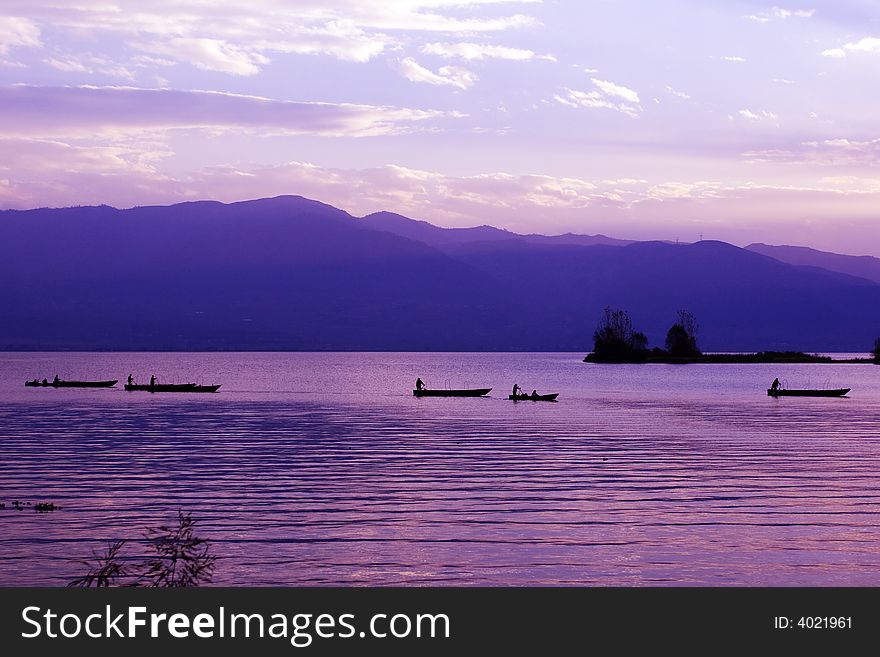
x=420 y=385
x=152 y=380
x=130 y=379
x=516 y=389
x=45 y=382
x=56 y=379
x=775 y=385
x=534 y=394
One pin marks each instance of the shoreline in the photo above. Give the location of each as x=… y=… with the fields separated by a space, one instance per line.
x=761 y=357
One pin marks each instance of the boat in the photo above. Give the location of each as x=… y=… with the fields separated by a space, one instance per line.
x=45 y=383
x=171 y=387
x=830 y=392
x=467 y=392
x=550 y=397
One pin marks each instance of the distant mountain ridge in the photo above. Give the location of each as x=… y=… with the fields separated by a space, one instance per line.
x=867 y=267
x=290 y=273
x=428 y=233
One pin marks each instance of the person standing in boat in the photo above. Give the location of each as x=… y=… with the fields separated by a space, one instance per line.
x=130 y=379
x=152 y=380
x=55 y=380
x=420 y=385
x=775 y=385
x=516 y=389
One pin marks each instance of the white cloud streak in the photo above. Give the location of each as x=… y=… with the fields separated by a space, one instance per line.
x=89 y=65
x=616 y=90
x=445 y=76
x=781 y=13
x=478 y=51
x=18 y=32
x=678 y=94
x=840 y=152
x=240 y=39
x=606 y=95
x=87 y=111
x=761 y=115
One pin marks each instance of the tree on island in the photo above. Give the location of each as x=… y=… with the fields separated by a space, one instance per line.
x=616 y=340
x=681 y=339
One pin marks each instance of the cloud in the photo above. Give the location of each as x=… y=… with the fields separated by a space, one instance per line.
x=838 y=152
x=342 y=39
x=781 y=13
x=52 y=157
x=85 y=111
x=209 y=55
x=680 y=190
x=449 y=76
x=593 y=100
x=852 y=184
x=677 y=94
x=239 y=39
x=793 y=13
x=18 y=32
x=834 y=53
x=606 y=95
x=616 y=90
x=71 y=65
x=90 y=66
x=867 y=44
x=478 y=51
x=762 y=115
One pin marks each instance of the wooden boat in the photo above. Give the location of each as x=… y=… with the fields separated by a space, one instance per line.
x=784 y=392
x=550 y=397
x=472 y=392
x=171 y=387
x=36 y=383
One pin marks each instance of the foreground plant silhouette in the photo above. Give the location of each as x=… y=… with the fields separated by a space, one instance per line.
x=180 y=559
x=105 y=570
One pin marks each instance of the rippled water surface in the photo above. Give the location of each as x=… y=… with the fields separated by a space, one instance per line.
x=323 y=469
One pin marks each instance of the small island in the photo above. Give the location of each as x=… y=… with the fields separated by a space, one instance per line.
x=615 y=341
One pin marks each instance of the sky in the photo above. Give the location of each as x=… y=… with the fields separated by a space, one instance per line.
x=742 y=121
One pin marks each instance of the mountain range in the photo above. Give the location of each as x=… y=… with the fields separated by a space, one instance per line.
x=289 y=273
x=861 y=266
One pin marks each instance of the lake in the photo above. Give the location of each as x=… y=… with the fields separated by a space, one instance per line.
x=323 y=469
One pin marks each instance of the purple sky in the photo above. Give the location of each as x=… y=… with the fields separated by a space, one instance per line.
x=742 y=121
